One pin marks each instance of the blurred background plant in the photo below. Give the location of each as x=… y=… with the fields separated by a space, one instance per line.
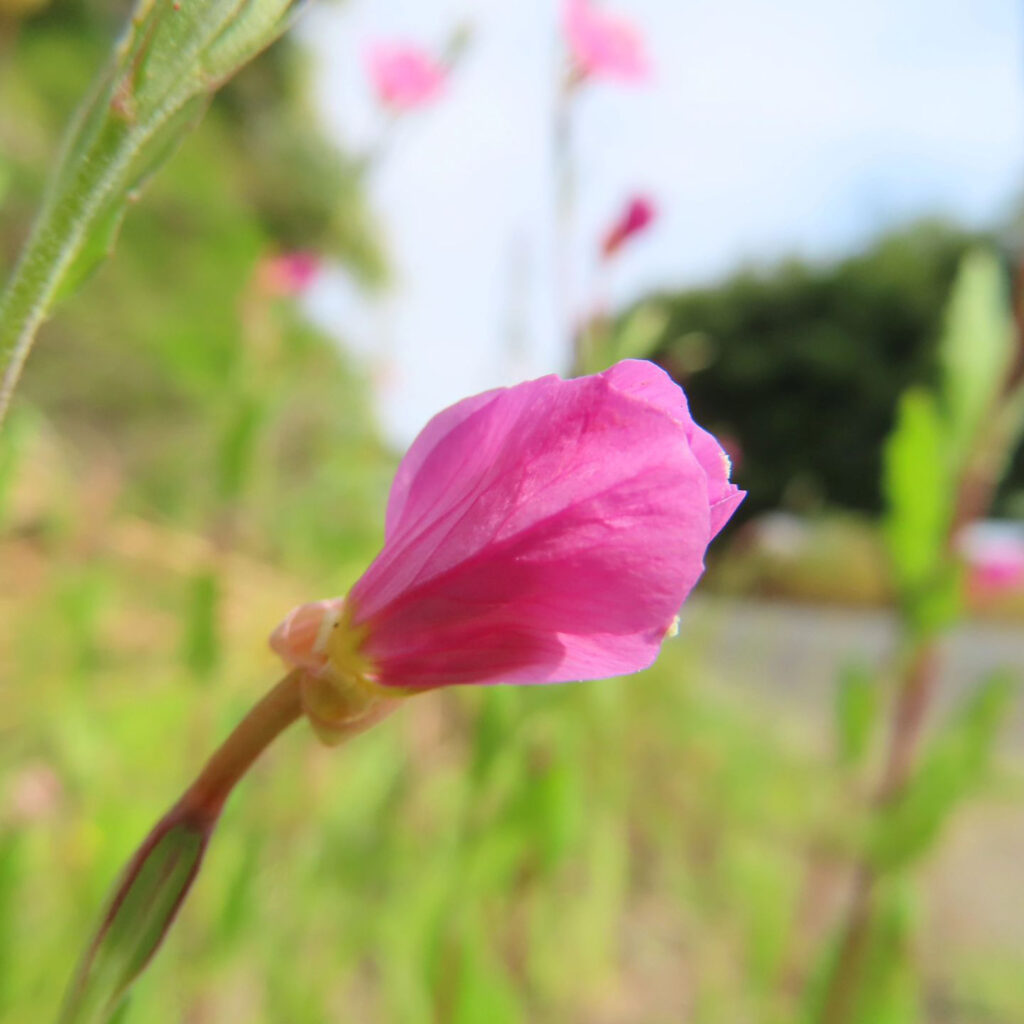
x=189 y=456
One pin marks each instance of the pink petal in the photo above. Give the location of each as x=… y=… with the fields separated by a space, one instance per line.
x=543 y=533
x=633 y=376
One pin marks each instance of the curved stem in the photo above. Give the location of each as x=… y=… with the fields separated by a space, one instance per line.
x=278 y=709
x=153 y=886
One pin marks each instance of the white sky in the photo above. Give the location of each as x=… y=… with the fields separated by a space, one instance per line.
x=768 y=128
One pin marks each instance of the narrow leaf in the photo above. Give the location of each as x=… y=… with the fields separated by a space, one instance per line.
x=919 y=489
x=954 y=765
x=976 y=347
x=857 y=706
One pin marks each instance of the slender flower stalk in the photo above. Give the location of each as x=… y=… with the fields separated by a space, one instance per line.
x=158 y=877
x=988 y=441
x=543 y=533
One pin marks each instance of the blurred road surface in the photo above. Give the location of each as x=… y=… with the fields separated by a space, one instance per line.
x=795 y=652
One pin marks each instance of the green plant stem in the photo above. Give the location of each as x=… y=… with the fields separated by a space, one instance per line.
x=914 y=696
x=280 y=708
x=157 y=879
x=50 y=251
x=917 y=682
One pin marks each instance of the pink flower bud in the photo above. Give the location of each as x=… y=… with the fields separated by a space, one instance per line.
x=994 y=556
x=404 y=76
x=301 y=640
x=288 y=274
x=535 y=534
x=637 y=216
x=604 y=45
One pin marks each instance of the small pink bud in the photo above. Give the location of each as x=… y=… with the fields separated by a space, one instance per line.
x=288 y=274
x=404 y=76
x=994 y=555
x=604 y=45
x=636 y=217
x=301 y=640
x=34 y=794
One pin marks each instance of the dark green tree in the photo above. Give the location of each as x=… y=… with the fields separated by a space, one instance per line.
x=802 y=363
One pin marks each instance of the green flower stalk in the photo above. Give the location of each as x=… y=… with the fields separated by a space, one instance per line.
x=173 y=57
x=154 y=885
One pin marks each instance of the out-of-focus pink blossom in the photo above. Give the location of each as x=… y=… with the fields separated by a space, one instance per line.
x=636 y=217
x=994 y=555
x=602 y=44
x=535 y=534
x=404 y=76
x=34 y=794
x=288 y=274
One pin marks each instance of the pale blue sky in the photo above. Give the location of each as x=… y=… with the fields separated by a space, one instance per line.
x=767 y=129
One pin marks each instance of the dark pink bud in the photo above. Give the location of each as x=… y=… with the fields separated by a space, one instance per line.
x=637 y=216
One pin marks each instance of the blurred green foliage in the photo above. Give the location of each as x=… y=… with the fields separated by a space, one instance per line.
x=188 y=458
x=172 y=368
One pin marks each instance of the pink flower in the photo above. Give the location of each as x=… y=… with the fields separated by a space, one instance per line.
x=404 y=76
x=994 y=554
x=602 y=44
x=288 y=274
x=634 y=220
x=535 y=534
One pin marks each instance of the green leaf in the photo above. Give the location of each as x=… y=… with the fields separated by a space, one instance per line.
x=202 y=633
x=156 y=86
x=138 y=917
x=10 y=877
x=856 y=710
x=953 y=767
x=641 y=332
x=873 y=981
x=238 y=447
x=483 y=992
x=975 y=349
x=13 y=444
x=919 y=487
x=889 y=990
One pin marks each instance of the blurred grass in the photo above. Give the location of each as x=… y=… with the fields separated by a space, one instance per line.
x=187 y=460
x=652 y=849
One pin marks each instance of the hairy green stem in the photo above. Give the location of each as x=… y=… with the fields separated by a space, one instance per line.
x=49 y=252
x=173 y=57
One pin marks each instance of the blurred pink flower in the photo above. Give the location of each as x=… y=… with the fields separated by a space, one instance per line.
x=288 y=274
x=404 y=76
x=535 y=534
x=34 y=794
x=602 y=44
x=994 y=554
x=636 y=217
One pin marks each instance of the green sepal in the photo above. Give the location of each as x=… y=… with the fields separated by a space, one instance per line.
x=138 y=917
